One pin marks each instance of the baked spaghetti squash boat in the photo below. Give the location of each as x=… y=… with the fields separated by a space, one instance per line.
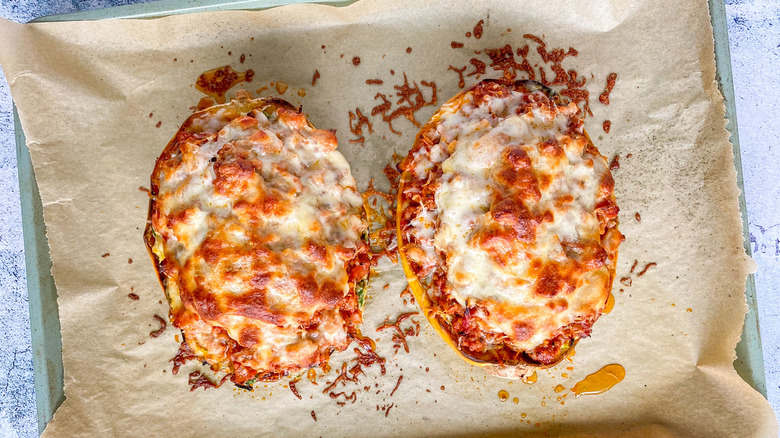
x=507 y=226
x=257 y=231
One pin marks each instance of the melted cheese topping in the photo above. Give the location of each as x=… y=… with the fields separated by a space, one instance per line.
x=513 y=207
x=261 y=226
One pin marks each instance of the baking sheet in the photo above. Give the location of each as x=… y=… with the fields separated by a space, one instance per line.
x=604 y=144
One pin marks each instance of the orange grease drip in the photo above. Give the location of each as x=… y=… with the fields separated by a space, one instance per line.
x=325 y=368
x=370 y=341
x=503 y=395
x=204 y=103
x=600 y=381
x=570 y=356
x=217 y=82
x=312 y=376
x=530 y=379
x=281 y=87
x=610 y=304
x=559 y=388
x=515 y=400
x=301 y=92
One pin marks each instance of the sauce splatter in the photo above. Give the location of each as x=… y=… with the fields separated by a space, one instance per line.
x=398 y=383
x=356 y=61
x=478 y=29
x=399 y=337
x=626 y=281
x=648 y=266
x=158 y=124
x=315 y=77
x=352 y=374
x=604 y=98
x=374 y=82
x=133 y=296
x=607 y=125
x=410 y=99
x=503 y=395
x=106 y=255
x=479 y=68
x=313 y=415
x=281 y=87
x=636 y=262
x=184 y=354
x=600 y=381
x=615 y=163
x=357 y=129
x=456 y=45
x=217 y=82
x=242 y=58
x=160 y=330
x=408 y=50
x=406 y=293
x=503 y=59
x=461 y=82
x=294 y=389
x=198 y=380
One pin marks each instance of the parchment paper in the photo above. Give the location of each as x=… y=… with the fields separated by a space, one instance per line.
x=91 y=94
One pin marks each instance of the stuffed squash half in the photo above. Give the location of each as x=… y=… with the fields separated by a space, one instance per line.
x=257 y=232
x=507 y=226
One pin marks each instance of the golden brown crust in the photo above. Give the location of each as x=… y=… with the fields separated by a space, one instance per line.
x=525 y=206
x=255 y=227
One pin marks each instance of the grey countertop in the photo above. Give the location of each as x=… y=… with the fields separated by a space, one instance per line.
x=754 y=36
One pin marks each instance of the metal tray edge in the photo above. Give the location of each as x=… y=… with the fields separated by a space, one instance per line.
x=750 y=361
x=41 y=292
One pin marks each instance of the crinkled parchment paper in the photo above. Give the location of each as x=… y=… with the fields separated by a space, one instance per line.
x=99 y=101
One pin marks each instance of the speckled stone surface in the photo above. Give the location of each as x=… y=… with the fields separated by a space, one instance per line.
x=754 y=40
x=18 y=416
x=754 y=34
